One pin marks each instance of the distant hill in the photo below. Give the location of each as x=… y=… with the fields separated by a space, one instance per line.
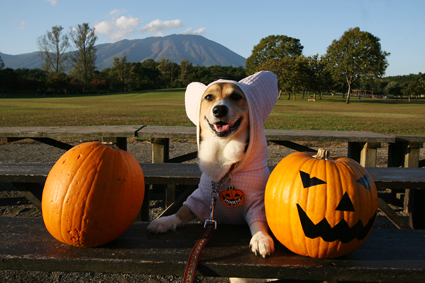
x=197 y=49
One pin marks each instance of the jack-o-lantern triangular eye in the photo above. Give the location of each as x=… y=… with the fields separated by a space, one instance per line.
x=309 y=182
x=365 y=182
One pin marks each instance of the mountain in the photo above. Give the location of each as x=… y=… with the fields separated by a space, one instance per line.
x=27 y=60
x=197 y=49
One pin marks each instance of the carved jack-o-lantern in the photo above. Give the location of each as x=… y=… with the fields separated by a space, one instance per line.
x=319 y=205
x=231 y=197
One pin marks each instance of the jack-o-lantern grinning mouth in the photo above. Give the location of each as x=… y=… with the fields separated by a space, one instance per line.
x=223 y=129
x=231 y=197
x=231 y=202
x=341 y=231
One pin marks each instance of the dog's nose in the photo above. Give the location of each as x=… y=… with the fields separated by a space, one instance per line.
x=220 y=111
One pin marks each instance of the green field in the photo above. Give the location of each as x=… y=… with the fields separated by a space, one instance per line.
x=166 y=108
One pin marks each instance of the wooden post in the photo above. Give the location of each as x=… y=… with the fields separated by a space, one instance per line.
x=404 y=153
x=120 y=142
x=160 y=154
x=354 y=150
x=364 y=152
x=144 y=211
x=369 y=154
x=160 y=150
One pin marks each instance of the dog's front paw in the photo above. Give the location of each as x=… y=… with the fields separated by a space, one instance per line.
x=164 y=224
x=261 y=244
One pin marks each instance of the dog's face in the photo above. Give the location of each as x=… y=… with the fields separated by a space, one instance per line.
x=224 y=111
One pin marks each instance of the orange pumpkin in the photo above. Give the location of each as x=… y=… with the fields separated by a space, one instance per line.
x=319 y=205
x=92 y=195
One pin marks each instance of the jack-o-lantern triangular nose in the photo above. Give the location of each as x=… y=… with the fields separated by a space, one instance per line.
x=345 y=204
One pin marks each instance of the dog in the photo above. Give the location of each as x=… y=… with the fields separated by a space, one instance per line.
x=232 y=154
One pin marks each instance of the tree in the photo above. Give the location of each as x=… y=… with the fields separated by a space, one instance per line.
x=53 y=47
x=319 y=79
x=357 y=54
x=272 y=49
x=169 y=72
x=185 y=69
x=1 y=64
x=84 y=57
x=121 y=69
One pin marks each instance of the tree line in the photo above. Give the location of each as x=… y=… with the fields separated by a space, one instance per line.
x=355 y=60
x=122 y=77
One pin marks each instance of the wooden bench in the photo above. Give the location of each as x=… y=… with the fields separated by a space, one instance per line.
x=27 y=176
x=388 y=255
x=49 y=135
x=362 y=146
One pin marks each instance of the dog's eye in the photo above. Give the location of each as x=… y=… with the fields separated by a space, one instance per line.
x=209 y=97
x=235 y=96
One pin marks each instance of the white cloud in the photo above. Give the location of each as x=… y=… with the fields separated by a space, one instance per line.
x=118 y=28
x=196 y=32
x=158 y=26
x=115 y=13
x=22 y=26
x=52 y=2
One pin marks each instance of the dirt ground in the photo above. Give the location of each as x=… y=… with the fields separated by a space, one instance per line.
x=12 y=203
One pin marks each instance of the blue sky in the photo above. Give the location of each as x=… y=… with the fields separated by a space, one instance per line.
x=238 y=25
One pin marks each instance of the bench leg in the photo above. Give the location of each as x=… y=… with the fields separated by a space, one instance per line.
x=120 y=142
x=32 y=191
x=406 y=154
x=160 y=154
x=144 y=211
x=364 y=152
x=170 y=195
x=416 y=208
x=174 y=207
x=160 y=150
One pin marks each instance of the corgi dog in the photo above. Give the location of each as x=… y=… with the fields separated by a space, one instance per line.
x=230 y=137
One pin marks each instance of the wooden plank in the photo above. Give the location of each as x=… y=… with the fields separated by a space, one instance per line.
x=388 y=255
x=70 y=131
x=186 y=133
x=182 y=174
x=167 y=132
x=392 y=215
x=410 y=138
x=318 y=135
x=189 y=174
x=398 y=178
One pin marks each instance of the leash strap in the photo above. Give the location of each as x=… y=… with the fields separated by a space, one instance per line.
x=209 y=227
x=195 y=255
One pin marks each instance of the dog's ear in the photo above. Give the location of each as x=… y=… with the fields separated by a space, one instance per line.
x=193 y=95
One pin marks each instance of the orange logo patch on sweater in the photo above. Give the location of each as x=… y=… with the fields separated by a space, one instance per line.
x=231 y=197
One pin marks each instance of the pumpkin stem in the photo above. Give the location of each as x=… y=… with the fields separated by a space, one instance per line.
x=323 y=154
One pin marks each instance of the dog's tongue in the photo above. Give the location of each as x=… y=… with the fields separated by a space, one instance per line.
x=219 y=127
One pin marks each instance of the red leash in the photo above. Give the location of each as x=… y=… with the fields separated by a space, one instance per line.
x=209 y=227
x=195 y=255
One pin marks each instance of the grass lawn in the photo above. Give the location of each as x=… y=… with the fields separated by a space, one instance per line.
x=166 y=108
